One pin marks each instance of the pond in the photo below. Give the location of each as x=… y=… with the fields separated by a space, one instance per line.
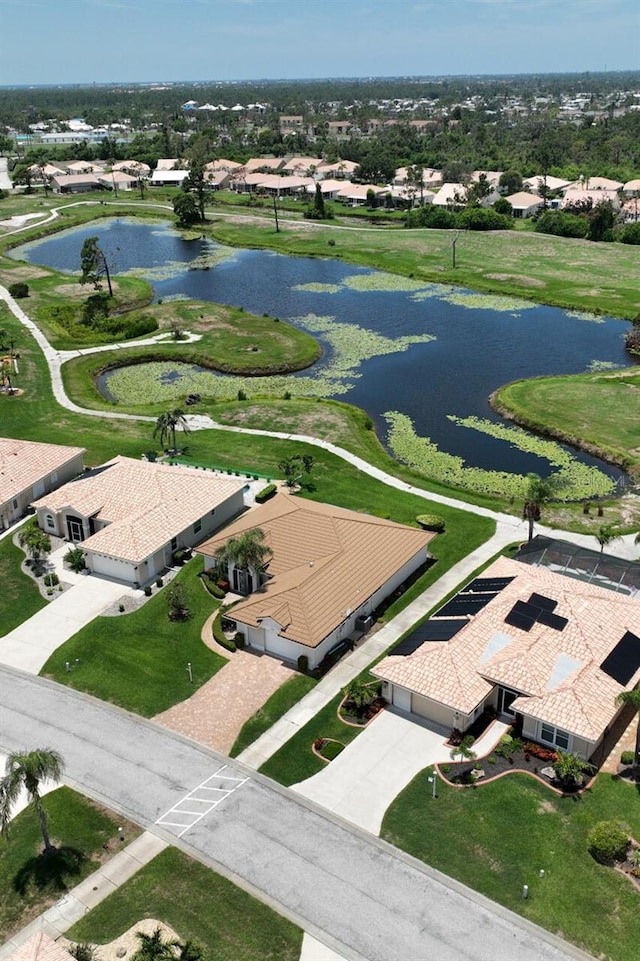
x=421 y=359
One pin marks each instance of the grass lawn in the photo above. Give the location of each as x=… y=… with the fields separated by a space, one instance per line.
x=602 y=410
x=31 y=882
x=498 y=837
x=139 y=660
x=272 y=710
x=200 y=905
x=22 y=597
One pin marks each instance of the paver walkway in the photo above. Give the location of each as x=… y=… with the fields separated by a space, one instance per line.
x=214 y=715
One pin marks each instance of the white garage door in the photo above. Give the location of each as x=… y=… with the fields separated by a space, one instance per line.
x=110 y=567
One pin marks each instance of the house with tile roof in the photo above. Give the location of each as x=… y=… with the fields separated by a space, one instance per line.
x=550 y=650
x=524 y=204
x=40 y=947
x=329 y=569
x=131 y=516
x=29 y=469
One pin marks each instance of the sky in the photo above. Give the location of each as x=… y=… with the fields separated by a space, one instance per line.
x=102 y=41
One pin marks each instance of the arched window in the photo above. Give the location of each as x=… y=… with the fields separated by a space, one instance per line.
x=50 y=521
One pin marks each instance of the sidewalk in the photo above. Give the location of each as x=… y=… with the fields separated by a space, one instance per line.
x=90 y=892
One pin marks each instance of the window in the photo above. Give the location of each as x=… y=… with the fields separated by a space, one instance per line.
x=15 y=504
x=50 y=521
x=174 y=543
x=553 y=735
x=197 y=527
x=54 y=477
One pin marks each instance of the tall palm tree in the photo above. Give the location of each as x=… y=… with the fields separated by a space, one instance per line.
x=605 y=534
x=246 y=551
x=633 y=698
x=28 y=771
x=166 y=425
x=539 y=492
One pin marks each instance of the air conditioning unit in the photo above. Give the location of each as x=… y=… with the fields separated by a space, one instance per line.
x=364 y=622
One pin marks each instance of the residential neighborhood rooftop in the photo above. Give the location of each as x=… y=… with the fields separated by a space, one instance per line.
x=23 y=462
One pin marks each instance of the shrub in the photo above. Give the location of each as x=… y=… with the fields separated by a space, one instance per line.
x=430 y=216
x=542 y=753
x=242 y=394
x=265 y=493
x=608 y=841
x=219 y=634
x=562 y=225
x=159 y=582
x=49 y=591
x=20 y=290
x=177 y=601
x=51 y=580
x=480 y=218
x=147 y=591
x=214 y=589
x=303 y=663
x=121 y=608
x=431 y=522
x=331 y=242
x=75 y=559
x=630 y=235
x=627 y=757
x=179 y=558
x=445 y=768
x=239 y=639
x=492 y=759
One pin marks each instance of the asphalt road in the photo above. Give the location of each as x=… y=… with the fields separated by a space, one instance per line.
x=351 y=890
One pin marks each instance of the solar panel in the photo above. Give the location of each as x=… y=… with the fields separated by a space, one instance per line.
x=463 y=604
x=549 y=619
x=516 y=619
x=492 y=584
x=526 y=609
x=438 y=630
x=624 y=660
x=546 y=603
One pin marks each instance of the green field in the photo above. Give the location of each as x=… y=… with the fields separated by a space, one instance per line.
x=199 y=905
x=499 y=836
x=22 y=597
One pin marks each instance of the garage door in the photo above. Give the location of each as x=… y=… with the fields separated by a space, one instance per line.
x=111 y=567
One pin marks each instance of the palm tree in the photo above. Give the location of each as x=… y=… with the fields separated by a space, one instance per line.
x=153 y=947
x=246 y=551
x=166 y=425
x=189 y=951
x=539 y=492
x=633 y=698
x=28 y=771
x=569 y=769
x=605 y=535
x=464 y=749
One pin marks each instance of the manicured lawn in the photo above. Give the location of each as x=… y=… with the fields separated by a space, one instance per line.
x=600 y=409
x=31 y=882
x=199 y=905
x=139 y=660
x=272 y=710
x=21 y=594
x=498 y=837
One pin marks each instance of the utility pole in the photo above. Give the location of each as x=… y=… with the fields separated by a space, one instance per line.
x=453 y=249
x=275 y=211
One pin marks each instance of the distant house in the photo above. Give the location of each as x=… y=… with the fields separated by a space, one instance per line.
x=553 y=183
x=29 y=469
x=134 y=167
x=167 y=178
x=262 y=165
x=524 y=204
x=40 y=947
x=291 y=123
x=631 y=188
x=85 y=167
x=579 y=195
x=131 y=516
x=357 y=195
x=551 y=649
x=596 y=183
x=75 y=183
x=328 y=188
x=302 y=166
x=340 y=170
x=118 y=180
x=451 y=195
x=330 y=569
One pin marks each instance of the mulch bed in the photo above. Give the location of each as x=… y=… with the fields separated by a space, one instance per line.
x=459 y=772
x=629 y=773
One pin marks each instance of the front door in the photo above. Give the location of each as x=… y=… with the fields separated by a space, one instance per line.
x=242 y=581
x=505 y=700
x=75 y=529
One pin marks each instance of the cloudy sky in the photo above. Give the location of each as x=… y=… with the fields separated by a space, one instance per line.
x=81 y=41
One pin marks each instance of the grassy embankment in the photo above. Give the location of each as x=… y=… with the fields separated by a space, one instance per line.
x=200 y=906
x=31 y=881
x=497 y=837
x=22 y=597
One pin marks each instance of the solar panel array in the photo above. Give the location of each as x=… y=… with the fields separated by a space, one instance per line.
x=537 y=610
x=434 y=630
x=624 y=660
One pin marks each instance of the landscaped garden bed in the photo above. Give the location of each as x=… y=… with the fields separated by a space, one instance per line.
x=327 y=748
x=361 y=703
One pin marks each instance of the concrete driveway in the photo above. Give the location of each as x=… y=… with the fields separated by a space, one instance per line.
x=368 y=775
x=31 y=644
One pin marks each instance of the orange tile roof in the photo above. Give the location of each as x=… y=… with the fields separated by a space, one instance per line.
x=40 y=947
x=143 y=504
x=326 y=562
x=23 y=462
x=557 y=672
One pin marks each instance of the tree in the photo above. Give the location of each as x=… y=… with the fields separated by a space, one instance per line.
x=94 y=265
x=34 y=541
x=293 y=468
x=197 y=183
x=317 y=211
x=539 y=492
x=464 y=750
x=606 y=534
x=178 y=602
x=245 y=552
x=510 y=182
x=601 y=218
x=185 y=207
x=153 y=947
x=632 y=698
x=166 y=425
x=569 y=769
x=359 y=693
x=28 y=771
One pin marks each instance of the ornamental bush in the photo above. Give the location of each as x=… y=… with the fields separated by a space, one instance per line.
x=219 y=635
x=608 y=841
x=630 y=235
x=265 y=493
x=20 y=289
x=627 y=757
x=431 y=522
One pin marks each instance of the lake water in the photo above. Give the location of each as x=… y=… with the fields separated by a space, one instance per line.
x=475 y=349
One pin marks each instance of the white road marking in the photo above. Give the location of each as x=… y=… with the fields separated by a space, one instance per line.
x=217 y=796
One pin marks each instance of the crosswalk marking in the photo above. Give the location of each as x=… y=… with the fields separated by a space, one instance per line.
x=184 y=818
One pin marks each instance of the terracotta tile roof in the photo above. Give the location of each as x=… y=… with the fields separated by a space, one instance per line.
x=23 y=462
x=144 y=505
x=40 y=947
x=557 y=672
x=326 y=562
